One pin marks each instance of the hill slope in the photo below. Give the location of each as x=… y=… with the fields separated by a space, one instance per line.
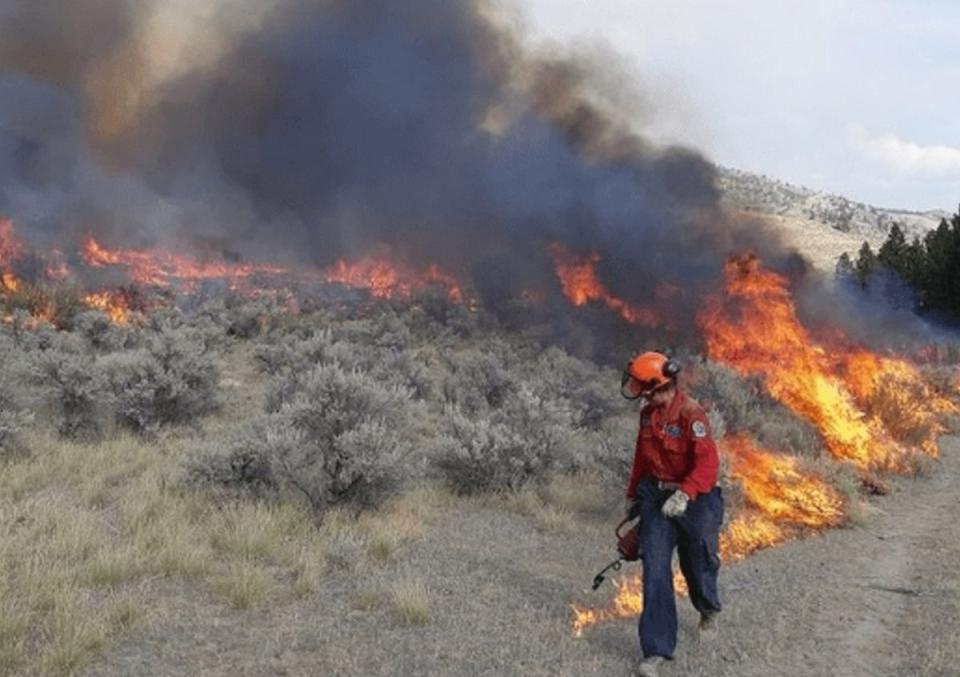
x=820 y=225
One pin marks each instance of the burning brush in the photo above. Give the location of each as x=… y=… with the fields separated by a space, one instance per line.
x=145 y=271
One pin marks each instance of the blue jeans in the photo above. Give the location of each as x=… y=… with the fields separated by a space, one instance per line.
x=695 y=535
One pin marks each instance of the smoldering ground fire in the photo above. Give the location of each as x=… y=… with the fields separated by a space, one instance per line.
x=397 y=147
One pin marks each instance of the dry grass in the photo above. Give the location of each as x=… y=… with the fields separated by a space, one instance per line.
x=584 y=494
x=369 y=597
x=88 y=526
x=562 y=505
x=308 y=566
x=112 y=567
x=556 y=520
x=245 y=585
x=410 y=600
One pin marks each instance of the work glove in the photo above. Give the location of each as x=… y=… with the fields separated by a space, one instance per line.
x=628 y=507
x=676 y=505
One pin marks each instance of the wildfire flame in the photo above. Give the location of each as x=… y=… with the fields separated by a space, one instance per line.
x=754 y=329
x=380 y=275
x=580 y=284
x=782 y=499
x=859 y=400
x=895 y=392
x=9 y=282
x=627 y=603
x=113 y=303
x=385 y=279
x=11 y=249
x=165 y=269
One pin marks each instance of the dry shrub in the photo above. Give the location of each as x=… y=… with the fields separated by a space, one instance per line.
x=590 y=392
x=335 y=436
x=13 y=415
x=555 y=519
x=74 y=387
x=517 y=444
x=290 y=355
x=242 y=317
x=100 y=331
x=163 y=374
x=893 y=403
x=478 y=381
x=238 y=463
x=57 y=304
x=172 y=379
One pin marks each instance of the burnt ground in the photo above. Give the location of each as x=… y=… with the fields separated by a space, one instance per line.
x=880 y=598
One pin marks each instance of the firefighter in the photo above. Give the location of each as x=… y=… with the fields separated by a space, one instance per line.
x=673 y=487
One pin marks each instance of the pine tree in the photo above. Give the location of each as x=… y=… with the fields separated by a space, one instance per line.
x=940 y=280
x=931 y=267
x=906 y=260
x=866 y=264
x=844 y=270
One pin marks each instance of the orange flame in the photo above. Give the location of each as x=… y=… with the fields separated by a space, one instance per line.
x=11 y=246
x=754 y=329
x=164 y=269
x=379 y=275
x=627 y=603
x=386 y=279
x=11 y=249
x=580 y=284
x=775 y=485
x=782 y=499
x=113 y=303
x=56 y=268
x=896 y=393
x=9 y=282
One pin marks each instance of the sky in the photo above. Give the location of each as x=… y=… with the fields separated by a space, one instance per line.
x=856 y=97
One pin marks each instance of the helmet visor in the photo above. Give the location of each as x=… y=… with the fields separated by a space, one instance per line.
x=633 y=388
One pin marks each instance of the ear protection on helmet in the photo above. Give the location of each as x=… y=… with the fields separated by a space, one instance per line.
x=669 y=371
x=671 y=368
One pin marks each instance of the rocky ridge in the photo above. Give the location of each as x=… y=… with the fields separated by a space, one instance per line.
x=758 y=193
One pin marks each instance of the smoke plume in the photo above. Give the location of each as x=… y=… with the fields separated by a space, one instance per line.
x=315 y=129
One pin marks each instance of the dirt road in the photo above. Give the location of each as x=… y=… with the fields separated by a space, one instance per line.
x=879 y=599
x=882 y=598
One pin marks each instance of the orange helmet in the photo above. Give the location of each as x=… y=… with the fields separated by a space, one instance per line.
x=648 y=372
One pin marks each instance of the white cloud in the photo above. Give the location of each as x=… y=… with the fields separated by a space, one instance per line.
x=908 y=157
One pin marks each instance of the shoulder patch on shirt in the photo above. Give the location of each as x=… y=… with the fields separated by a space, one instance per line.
x=699 y=429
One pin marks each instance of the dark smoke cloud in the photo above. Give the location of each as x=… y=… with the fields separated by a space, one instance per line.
x=336 y=126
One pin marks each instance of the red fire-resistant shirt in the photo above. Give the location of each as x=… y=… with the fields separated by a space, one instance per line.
x=674 y=445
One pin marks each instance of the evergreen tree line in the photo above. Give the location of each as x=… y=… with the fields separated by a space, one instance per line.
x=930 y=267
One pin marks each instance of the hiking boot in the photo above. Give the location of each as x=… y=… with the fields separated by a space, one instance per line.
x=649 y=667
x=707 y=629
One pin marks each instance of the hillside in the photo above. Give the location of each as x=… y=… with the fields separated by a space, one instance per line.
x=820 y=225
x=759 y=193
